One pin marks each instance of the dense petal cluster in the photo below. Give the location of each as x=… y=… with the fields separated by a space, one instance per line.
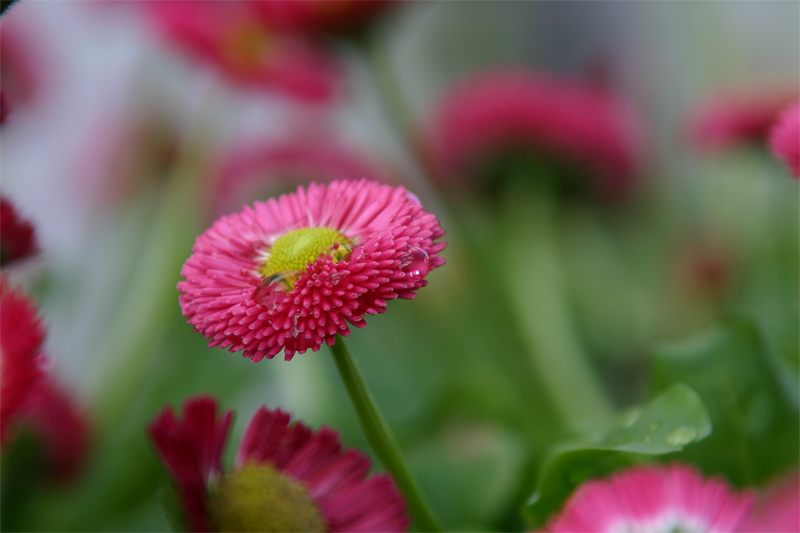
x=230 y=36
x=20 y=343
x=784 y=139
x=579 y=123
x=17 y=239
x=336 y=481
x=269 y=166
x=394 y=248
x=733 y=120
x=654 y=499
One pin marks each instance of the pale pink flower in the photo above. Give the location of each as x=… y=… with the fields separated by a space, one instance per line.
x=272 y=167
x=230 y=36
x=654 y=499
x=737 y=119
x=784 y=139
x=778 y=507
x=293 y=272
x=574 y=123
x=286 y=476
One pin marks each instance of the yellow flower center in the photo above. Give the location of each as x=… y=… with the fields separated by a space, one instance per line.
x=295 y=249
x=257 y=497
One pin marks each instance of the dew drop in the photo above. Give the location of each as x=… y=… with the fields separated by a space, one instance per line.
x=416 y=260
x=336 y=277
x=654 y=426
x=295 y=329
x=631 y=418
x=274 y=288
x=647 y=439
x=681 y=436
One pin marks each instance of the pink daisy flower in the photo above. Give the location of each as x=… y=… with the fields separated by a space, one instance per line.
x=784 y=139
x=286 y=477
x=230 y=36
x=656 y=499
x=20 y=359
x=292 y=273
x=271 y=166
x=52 y=415
x=576 y=123
x=737 y=119
x=17 y=239
x=778 y=507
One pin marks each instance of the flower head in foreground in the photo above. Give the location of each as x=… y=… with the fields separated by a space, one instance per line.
x=20 y=358
x=230 y=36
x=17 y=240
x=286 y=477
x=290 y=274
x=734 y=120
x=654 y=499
x=784 y=139
x=578 y=125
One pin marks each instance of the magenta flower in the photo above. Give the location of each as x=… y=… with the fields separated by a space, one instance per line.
x=292 y=273
x=579 y=124
x=286 y=477
x=20 y=357
x=319 y=16
x=17 y=238
x=778 y=507
x=655 y=499
x=733 y=120
x=270 y=166
x=784 y=139
x=52 y=415
x=230 y=36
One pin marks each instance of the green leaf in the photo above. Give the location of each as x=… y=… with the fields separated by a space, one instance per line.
x=756 y=429
x=666 y=424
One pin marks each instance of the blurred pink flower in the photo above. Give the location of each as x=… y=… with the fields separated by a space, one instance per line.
x=24 y=66
x=290 y=274
x=270 y=166
x=581 y=124
x=778 y=507
x=17 y=238
x=654 y=498
x=784 y=139
x=52 y=415
x=231 y=36
x=733 y=120
x=20 y=358
x=285 y=477
x=317 y=16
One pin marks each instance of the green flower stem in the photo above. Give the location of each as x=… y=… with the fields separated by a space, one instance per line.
x=535 y=285
x=380 y=436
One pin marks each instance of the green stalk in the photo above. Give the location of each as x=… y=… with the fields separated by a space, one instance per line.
x=535 y=286
x=380 y=436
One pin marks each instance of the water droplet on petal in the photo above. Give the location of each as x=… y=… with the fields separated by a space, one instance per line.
x=340 y=251
x=681 y=436
x=295 y=330
x=415 y=260
x=274 y=288
x=336 y=277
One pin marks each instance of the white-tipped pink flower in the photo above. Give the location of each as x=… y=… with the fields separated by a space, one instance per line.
x=654 y=499
x=293 y=272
